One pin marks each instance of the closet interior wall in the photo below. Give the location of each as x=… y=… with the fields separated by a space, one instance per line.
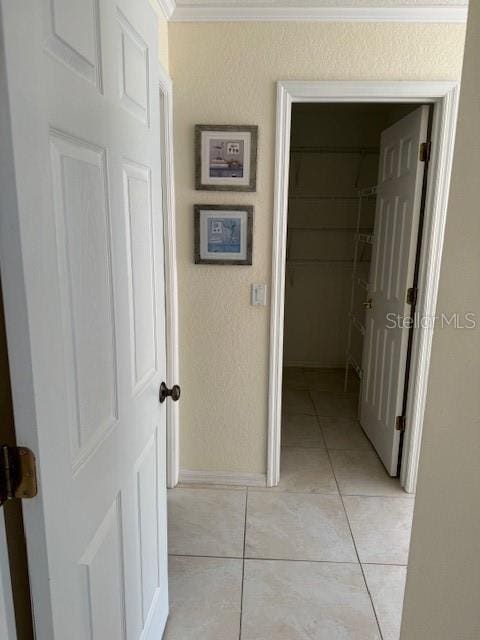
x=334 y=155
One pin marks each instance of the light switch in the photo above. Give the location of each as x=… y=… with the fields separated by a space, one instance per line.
x=259 y=294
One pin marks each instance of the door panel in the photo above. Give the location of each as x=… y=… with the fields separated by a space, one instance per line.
x=133 y=69
x=392 y=272
x=102 y=564
x=72 y=36
x=140 y=251
x=86 y=133
x=85 y=274
x=147 y=517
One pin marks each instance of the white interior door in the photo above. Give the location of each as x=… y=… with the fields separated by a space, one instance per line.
x=397 y=215
x=81 y=254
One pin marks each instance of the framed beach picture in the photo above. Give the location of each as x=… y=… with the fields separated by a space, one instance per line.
x=223 y=234
x=226 y=157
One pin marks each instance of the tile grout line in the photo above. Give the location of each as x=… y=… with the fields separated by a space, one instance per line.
x=243 y=565
x=262 y=559
x=255 y=489
x=326 y=493
x=361 y=568
x=349 y=525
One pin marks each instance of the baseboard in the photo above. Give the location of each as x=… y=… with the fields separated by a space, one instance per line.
x=314 y=365
x=223 y=477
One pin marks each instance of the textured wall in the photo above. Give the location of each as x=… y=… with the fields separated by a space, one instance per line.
x=225 y=73
x=443 y=586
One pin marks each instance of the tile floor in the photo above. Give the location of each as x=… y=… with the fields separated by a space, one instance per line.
x=320 y=557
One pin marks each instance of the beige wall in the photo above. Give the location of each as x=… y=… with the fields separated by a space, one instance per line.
x=443 y=586
x=226 y=73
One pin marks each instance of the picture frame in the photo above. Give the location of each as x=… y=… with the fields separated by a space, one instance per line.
x=223 y=234
x=226 y=157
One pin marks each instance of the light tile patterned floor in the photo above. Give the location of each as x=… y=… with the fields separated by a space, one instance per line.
x=321 y=557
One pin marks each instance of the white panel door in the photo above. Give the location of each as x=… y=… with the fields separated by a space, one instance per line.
x=82 y=265
x=397 y=215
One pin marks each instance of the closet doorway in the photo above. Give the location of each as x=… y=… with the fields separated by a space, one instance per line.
x=354 y=215
x=359 y=184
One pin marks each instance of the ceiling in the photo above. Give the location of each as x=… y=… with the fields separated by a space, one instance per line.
x=328 y=10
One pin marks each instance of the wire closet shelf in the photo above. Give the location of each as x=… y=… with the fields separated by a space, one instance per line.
x=359 y=288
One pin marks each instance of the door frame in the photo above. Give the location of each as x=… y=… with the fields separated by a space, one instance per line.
x=444 y=96
x=171 y=286
x=8 y=631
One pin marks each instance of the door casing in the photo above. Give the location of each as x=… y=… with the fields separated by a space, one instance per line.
x=7 y=614
x=444 y=96
x=171 y=287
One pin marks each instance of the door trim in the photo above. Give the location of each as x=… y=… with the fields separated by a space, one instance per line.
x=7 y=614
x=171 y=286
x=444 y=95
x=235 y=12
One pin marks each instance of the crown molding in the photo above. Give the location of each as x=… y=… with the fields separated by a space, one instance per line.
x=443 y=14
x=167 y=7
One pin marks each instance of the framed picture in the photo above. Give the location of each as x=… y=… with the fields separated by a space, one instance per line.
x=223 y=234
x=226 y=157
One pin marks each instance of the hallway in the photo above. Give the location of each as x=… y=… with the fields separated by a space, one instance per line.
x=307 y=559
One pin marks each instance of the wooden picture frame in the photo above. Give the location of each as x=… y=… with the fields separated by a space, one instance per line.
x=226 y=157
x=223 y=234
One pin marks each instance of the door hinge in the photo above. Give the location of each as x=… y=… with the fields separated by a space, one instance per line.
x=425 y=151
x=400 y=423
x=18 y=475
x=412 y=296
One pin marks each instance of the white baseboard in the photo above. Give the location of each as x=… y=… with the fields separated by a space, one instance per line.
x=223 y=477
x=314 y=365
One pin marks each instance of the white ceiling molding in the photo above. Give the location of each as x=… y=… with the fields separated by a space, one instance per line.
x=227 y=12
x=167 y=7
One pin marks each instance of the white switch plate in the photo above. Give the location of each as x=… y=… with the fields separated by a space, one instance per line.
x=259 y=295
